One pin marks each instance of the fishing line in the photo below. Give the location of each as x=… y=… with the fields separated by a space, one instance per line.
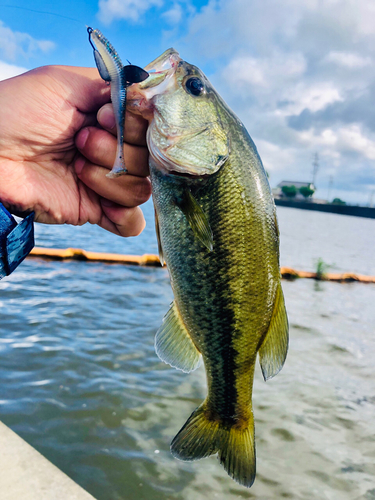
x=42 y=12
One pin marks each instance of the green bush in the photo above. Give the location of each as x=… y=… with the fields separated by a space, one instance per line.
x=289 y=191
x=306 y=191
x=338 y=201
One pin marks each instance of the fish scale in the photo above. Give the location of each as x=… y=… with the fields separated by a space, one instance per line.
x=232 y=259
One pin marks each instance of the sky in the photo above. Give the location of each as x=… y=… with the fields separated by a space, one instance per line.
x=299 y=74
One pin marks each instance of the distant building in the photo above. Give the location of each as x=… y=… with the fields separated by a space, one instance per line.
x=278 y=193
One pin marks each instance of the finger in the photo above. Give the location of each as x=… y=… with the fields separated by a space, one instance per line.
x=126 y=190
x=135 y=125
x=86 y=120
x=122 y=221
x=99 y=147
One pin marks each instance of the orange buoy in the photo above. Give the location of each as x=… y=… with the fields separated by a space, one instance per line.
x=153 y=260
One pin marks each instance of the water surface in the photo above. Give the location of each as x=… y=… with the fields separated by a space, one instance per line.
x=80 y=381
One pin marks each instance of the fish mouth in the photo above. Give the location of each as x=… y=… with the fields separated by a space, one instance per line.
x=159 y=81
x=161 y=69
x=169 y=59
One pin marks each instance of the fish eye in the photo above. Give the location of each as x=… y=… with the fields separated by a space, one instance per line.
x=194 y=86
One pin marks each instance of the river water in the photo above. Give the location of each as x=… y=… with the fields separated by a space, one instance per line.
x=80 y=381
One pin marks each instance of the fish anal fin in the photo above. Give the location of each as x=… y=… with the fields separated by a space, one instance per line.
x=274 y=348
x=196 y=218
x=160 y=248
x=201 y=437
x=174 y=345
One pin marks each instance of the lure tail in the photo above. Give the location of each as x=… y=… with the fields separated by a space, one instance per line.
x=201 y=437
x=119 y=165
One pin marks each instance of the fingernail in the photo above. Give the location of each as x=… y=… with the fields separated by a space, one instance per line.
x=79 y=164
x=106 y=118
x=107 y=203
x=82 y=138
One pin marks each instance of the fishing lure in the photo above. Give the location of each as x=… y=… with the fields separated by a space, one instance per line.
x=112 y=70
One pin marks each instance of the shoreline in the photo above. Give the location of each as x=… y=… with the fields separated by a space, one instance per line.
x=352 y=210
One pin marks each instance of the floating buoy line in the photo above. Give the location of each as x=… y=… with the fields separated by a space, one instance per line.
x=153 y=260
x=79 y=254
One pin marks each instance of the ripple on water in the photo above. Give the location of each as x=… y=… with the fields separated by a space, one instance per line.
x=80 y=380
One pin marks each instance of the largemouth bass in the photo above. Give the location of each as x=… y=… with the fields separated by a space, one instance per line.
x=218 y=234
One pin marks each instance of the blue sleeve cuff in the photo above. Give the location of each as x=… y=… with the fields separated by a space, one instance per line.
x=16 y=240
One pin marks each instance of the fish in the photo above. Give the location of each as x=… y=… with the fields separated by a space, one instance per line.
x=218 y=235
x=112 y=70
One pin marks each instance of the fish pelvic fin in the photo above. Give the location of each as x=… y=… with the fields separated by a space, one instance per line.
x=273 y=351
x=173 y=343
x=201 y=437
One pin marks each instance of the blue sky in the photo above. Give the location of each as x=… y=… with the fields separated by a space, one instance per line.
x=300 y=75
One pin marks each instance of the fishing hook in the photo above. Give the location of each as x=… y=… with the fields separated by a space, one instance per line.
x=89 y=31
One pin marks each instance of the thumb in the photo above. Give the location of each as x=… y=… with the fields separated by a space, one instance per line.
x=88 y=91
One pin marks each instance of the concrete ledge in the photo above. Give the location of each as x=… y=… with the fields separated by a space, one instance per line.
x=25 y=474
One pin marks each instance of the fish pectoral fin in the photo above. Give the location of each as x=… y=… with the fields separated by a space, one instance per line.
x=173 y=343
x=160 y=248
x=102 y=68
x=197 y=219
x=274 y=348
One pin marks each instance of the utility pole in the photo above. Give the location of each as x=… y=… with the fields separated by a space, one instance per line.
x=330 y=184
x=315 y=165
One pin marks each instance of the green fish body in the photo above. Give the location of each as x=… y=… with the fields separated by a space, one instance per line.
x=218 y=234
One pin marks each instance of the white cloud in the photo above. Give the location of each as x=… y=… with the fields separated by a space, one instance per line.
x=353 y=138
x=125 y=9
x=348 y=59
x=275 y=158
x=14 y=44
x=244 y=71
x=300 y=75
x=10 y=70
x=174 y=15
x=314 y=97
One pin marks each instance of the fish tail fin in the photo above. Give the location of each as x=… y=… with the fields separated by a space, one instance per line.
x=201 y=437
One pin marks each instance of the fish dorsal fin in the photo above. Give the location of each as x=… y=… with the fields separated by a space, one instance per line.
x=102 y=68
x=197 y=219
x=173 y=343
x=274 y=348
x=160 y=248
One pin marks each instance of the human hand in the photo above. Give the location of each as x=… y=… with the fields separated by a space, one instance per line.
x=42 y=114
